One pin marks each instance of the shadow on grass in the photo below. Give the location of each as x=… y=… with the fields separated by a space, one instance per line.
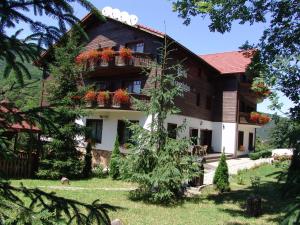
x=272 y=201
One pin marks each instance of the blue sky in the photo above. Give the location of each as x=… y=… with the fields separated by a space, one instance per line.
x=196 y=36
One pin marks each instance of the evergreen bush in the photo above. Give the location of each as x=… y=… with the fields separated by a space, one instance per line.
x=87 y=169
x=221 y=178
x=115 y=160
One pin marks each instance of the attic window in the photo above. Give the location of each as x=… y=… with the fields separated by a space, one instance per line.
x=136 y=46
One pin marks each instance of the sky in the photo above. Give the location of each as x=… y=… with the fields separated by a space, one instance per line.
x=196 y=36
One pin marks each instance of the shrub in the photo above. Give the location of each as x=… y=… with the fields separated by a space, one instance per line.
x=114 y=164
x=98 y=172
x=221 y=178
x=261 y=154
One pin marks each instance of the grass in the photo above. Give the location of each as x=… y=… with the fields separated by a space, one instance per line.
x=208 y=208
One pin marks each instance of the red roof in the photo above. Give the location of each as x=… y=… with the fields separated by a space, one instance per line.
x=19 y=126
x=149 y=29
x=229 y=62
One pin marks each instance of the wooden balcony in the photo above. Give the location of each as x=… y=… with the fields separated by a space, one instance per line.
x=111 y=105
x=244 y=118
x=118 y=65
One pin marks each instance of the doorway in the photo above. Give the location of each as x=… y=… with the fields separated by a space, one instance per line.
x=250 y=143
x=194 y=135
x=206 y=138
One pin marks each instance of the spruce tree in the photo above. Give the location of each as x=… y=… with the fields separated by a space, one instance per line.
x=159 y=164
x=221 y=177
x=87 y=169
x=62 y=157
x=115 y=160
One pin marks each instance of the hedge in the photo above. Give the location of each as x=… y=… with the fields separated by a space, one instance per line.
x=261 y=154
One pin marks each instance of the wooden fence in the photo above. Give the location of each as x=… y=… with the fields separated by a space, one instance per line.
x=21 y=166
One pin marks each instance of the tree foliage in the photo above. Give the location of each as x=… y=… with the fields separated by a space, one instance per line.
x=221 y=177
x=115 y=160
x=61 y=151
x=277 y=53
x=159 y=164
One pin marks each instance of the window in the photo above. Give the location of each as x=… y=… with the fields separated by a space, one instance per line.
x=171 y=128
x=94 y=129
x=136 y=46
x=198 y=99
x=133 y=86
x=124 y=133
x=250 y=143
x=208 y=102
x=241 y=139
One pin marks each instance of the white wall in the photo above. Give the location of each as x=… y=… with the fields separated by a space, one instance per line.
x=229 y=137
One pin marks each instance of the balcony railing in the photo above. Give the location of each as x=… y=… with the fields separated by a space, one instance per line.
x=137 y=60
x=258 y=119
x=110 y=103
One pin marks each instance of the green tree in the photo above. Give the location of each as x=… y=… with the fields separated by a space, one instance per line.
x=221 y=177
x=159 y=164
x=62 y=156
x=87 y=169
x=115 y=160
x=285 y=133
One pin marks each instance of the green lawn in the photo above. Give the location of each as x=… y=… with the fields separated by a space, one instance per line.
x=208 y=208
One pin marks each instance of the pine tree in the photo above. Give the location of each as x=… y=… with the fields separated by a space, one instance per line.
x=115 y=160
x=221 y=177
x=87 y=169
x=62 y=157
x=159 y=164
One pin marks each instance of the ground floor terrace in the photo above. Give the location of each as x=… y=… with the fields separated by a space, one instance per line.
x=232 y=138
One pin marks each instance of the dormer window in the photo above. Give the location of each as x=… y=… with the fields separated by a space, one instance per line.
x=136 y=46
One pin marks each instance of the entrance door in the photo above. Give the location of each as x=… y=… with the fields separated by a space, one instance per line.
x=206 y=136
x=194 y=135
x=250 y=145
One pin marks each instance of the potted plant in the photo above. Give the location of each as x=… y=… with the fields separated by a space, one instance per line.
x=125 y=55
x=263 y=119
x=121 y=97
x=88 y=57
x=90 y=98
x=107 y=56
x=102 y=98
x=254 y=116
x=261 y=90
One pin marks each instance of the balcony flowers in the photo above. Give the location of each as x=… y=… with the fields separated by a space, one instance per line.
x=91 y=56
x=102 y=98
x=125 y=55
x=258 y=118
x=121 y=97
x=107 y=56
x=261 y=90
x=90 y=98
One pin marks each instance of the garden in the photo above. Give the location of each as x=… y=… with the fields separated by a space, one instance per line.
x=209 y=207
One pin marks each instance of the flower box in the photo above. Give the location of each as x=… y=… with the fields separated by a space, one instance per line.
x=121 y=98
x=102 y=98
x=90 y=98
x=107 y=57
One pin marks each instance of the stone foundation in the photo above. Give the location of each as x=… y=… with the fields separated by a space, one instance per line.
x=100 y=157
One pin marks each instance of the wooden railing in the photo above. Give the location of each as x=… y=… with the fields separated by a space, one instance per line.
x=137 y=60
x=111 y=104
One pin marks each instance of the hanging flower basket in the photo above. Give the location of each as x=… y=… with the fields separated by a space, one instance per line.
x=121 y=97
x=261 y=90
x=90 y=98
x=125 y=57
x=103 y=98
x=107 y=56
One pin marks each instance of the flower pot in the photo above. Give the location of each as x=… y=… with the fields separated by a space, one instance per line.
x=88 y=104
x=116 y=105
x=104 y=63
x=101 y=105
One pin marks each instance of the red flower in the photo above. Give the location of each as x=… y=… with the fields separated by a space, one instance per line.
x=90 y=96
x=126 y=53
x=121 y=96
x=102 y=97
x=90 y=55
x=107 y=54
